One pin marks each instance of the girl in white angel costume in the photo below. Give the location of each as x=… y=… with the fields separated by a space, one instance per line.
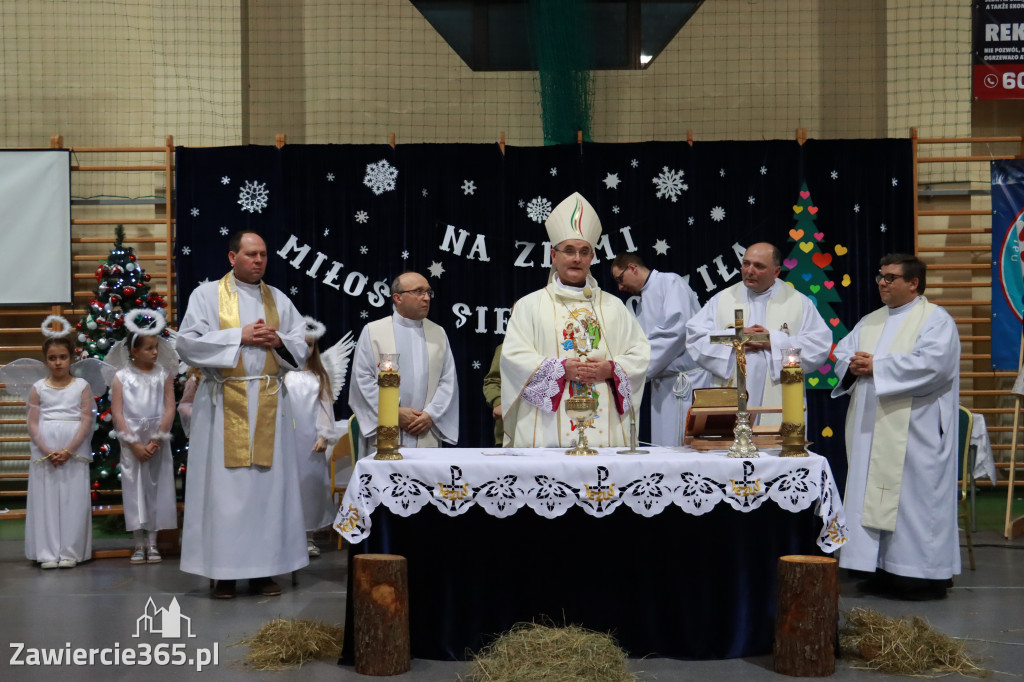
x=312 y=393
x=142 y=407
x=60 y=418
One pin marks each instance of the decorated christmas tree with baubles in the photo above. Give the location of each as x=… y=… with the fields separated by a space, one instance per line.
x=122 y=286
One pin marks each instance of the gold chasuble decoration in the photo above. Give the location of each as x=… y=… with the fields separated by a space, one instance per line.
x=238 y=450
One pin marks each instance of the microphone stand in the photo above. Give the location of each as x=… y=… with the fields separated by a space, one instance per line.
x=633 y=441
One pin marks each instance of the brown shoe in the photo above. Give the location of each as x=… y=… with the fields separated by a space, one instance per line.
x=225 y=589
x=264 y=586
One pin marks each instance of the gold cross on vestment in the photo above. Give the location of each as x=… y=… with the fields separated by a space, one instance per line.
x=738 y=339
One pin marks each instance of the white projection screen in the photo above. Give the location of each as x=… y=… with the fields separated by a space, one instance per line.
x=35 y=226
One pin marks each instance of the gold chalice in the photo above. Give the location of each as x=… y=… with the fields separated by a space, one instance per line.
x=580 y=408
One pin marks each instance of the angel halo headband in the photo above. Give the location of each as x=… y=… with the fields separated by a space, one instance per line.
x=52 y=333
x=155 y=329
x=314 y=328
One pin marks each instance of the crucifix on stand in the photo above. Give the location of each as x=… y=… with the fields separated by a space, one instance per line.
x=742 y=445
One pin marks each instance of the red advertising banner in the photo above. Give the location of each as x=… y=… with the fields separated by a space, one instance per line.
x=998 y=37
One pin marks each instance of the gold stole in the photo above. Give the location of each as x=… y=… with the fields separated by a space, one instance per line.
x=238 y=450
x=892 y=419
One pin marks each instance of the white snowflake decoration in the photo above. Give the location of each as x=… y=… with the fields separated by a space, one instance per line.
x=225 y=180
x=521 y=203
x=634 y=163
x=669 y=183
x=476 y=364
x=363 y=314
x=185 y=250
x=436 y=269
x=834 y=175
x=538 y=209
x=895 y=182
x=362 y=217
x=253 y=196
x=223 y=232
x=380 y=177
x=327 y=231
x=330 y=177
x=751 y=200
x=764 y=170
x=194 y=212
x=363 y=250
x=856 y=208
x=662 y=247
x=424 y=191
x=718 y=214
x=293 y=291
x=611 y=181
x=554 y=171
x=405 y=255
x=468 y=187
x=615 y=209
x=882 y=227
x=721 y=172
x=689 y=221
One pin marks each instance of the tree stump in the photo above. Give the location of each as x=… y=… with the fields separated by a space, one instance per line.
x=380 y=609
x=807 y=616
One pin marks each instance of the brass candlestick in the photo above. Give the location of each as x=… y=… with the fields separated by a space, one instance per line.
x=580 y=408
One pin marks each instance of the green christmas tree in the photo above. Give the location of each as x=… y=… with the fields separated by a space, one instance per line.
x=807 y=269
x=122 y=286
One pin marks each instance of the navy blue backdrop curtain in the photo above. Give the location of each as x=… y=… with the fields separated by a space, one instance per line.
x=341 y=221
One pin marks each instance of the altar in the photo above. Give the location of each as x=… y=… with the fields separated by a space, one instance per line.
x=674 y=552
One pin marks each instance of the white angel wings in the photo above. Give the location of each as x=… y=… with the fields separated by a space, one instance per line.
x=336 y=359
x=22 y=373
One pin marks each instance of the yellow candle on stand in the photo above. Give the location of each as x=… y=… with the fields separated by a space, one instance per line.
x=387 y=398
x=792 y=387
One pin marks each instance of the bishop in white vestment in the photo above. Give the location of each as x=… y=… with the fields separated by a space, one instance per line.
x=571 y=338
x=243 y=515
x=428 y=412
x=901 y=364
x=770 y=306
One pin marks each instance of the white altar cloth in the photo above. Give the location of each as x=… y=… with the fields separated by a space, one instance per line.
x=502 y=481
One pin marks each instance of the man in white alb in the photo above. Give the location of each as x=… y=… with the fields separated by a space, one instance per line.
x=428 y=412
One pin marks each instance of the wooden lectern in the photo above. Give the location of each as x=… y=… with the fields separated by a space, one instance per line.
x=711 y=419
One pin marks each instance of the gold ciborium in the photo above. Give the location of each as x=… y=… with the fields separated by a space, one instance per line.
x=580 y=408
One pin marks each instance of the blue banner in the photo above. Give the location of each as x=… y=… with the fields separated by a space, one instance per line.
x=1007 y=273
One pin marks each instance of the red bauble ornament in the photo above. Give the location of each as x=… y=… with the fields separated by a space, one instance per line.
x=132 y=257
x=95 y=495
x=129 y=291
x=138 y=301
x=95 y=485
x=146 y=278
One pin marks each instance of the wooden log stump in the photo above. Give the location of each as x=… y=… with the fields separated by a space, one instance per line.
x=380 y=609
x=807 y=616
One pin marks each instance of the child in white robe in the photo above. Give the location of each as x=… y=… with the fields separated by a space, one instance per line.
x=309 y=392
x=58 y=518
x=142 y=407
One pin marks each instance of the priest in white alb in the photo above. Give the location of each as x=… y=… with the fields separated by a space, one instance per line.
x=901 y=364
x=571 y=338
x=243 y=514
x=770 y=306
x=428 y=404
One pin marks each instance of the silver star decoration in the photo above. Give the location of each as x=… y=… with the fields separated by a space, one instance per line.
x=764 y=170
x=721 y=172
x=185 y=250
x=634 y=163
x=856 y=208
x=223 y=232
x=751 y=200
x=436 y=269
x=689 y=221
x=330 y=177
x=363 y=314
x=834 y=175
x=661 y=246
x=363 y=250
x=327 y=231
x=405 y=255
x=225 y=180
x=194 y=212
x=468 y=187
x=476 y=364
x=895 y=182
x=293 y=291
x=611 y=181
x=615 y=209
x=554 y=171
x=882 y=227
